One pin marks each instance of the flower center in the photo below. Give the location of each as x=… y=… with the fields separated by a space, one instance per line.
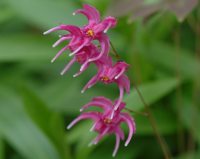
x=105 y=79
x=107 y=121
x=90 y=32
x=79 y=59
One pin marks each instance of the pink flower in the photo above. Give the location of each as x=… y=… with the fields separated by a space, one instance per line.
x=104 y=124
x=109 y=74
x=81 y=57
x=80 y=37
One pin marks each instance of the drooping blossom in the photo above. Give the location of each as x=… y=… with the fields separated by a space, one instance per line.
x=104 y=124
x=109 y=74
x=81 y=57
x=83 y=36
x=84 y=51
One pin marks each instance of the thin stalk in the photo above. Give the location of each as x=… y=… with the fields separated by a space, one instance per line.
x=179 y=101
x=152 y=121
x=114 y=51
x=150 y=116
x=139 y=113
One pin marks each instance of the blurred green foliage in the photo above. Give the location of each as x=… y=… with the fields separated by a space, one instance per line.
x=36 y=103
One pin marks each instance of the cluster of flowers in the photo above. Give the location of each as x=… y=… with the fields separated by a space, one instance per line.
x=85 y=52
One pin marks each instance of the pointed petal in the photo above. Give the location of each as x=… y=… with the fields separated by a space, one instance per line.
x=105 y=48
x=124 y=81
x=120 y=132
x=109 y=22
x=74 y=30
x=59 y=53
x=67 y=67
x=100 y=104
x=116 y=145
x=89 y=115
x=52 y=30
x=121 y=94
x=79 y=48
x=131 y=124
x=100 y=136
x=120 y=73
x=61 y=40
x=93 y=81
x=90 y=12
x=93 y=11
x=103 y=100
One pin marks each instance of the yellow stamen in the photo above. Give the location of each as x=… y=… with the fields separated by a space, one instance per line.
x=107 y=121
x=79 y=59
x=105 y=78
x=90 y=32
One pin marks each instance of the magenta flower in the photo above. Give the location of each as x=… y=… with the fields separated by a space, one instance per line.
x=104 y=124
x=109 y=74
x=81 y=57
x=84 y=51
x=80 y=37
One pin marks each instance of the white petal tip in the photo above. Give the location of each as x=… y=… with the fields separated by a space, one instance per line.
x=89 y=86
x=81 y=109
x=73 y=13
x=62 y=73
x=126 y=144
x=46 y=32
x=82 y=91
x=90 y=144
x=52 y=61
x=75 y=75
x=69 y=127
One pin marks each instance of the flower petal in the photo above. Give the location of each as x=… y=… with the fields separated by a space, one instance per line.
x=116 y=145
x=93 y=81
x=59 y=53
x=100 y=104
x=121 y=94
x=131 y=124
x=67 y=67
x=89 y=115
x=105 y=47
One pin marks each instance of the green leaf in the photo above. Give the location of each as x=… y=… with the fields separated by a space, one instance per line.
x=19 y=130
x=189 y=114
x=25 y=47
x=189 y=155
x=151 y=93
x=6 y=14
x=64 y=94
x=50 y=122
x=46 y=13
x=166 y=56
x=164 y=121
x=2 y=149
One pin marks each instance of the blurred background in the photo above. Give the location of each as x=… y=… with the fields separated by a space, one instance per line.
x=159 y=38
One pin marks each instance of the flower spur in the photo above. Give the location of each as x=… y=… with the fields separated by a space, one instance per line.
x=103 y=124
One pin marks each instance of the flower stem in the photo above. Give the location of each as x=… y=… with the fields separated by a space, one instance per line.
x=154 y=126
x=139 y=113
x=149 y=115
x=114 y=51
